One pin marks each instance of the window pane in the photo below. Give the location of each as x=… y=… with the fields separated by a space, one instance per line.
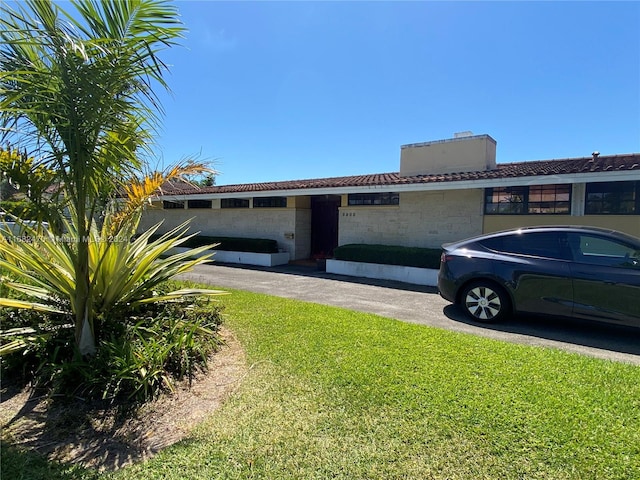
x=269 y=202
x=542 y=244
x=612 y=198
x=505 y=200
x=602 y=251
x=234 y=203
x=385 y=198
x=199 y=204
x=512 y=208
x=169 y=205
x=549 y=199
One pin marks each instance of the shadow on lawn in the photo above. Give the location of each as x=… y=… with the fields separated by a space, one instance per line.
x=70 y=430
x=19 y=463
x=615 y=338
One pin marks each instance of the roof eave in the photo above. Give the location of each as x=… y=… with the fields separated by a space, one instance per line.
x=612 y=176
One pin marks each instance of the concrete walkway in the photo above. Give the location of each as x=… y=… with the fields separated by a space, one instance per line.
x=421 y=305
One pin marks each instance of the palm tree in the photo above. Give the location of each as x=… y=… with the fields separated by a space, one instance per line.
x=76 y=89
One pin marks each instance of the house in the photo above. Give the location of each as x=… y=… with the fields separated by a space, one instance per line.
x=445 y=190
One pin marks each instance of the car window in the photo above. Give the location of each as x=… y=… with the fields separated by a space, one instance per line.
x=494 y=243
x=538 y=244
x=596 y=250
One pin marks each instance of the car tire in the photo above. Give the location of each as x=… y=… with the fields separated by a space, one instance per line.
x=485 y=301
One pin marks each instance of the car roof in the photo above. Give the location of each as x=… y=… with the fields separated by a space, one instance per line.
x=548 y=228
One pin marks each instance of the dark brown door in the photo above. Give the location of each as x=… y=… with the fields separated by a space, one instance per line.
x=324 y=224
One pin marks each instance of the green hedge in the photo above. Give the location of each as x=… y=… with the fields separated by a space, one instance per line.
x=18 y=208
x=233 y=244
x=389 y=255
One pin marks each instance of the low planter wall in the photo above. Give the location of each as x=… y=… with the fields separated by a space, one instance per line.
x=417 y=276
x=245 y=258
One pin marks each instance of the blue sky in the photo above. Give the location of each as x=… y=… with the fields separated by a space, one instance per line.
x=293 y=90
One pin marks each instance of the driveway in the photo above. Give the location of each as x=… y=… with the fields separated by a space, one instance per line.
x=421 y=305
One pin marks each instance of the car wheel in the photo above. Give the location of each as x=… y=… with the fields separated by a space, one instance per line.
x=485 y=301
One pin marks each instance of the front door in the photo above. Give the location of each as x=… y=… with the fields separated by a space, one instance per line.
x=324 y=224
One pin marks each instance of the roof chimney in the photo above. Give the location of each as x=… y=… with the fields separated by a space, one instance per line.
x=465 y=153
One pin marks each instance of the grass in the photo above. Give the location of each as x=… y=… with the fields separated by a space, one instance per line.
x=338 y=394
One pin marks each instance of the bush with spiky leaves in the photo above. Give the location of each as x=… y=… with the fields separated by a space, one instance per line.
x=147 y=335
x=87 y=302
x=77 y=94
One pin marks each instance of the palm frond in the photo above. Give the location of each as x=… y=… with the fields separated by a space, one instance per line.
x=25 y=305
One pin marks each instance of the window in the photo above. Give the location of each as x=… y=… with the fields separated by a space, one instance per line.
x=269 y=202
x=538 y=244
x=603 y=251
x=533 y=200
x=612 y=198
x=386 y=198
x=505 y=200
x=550 y=199
x=169 y=205
x=199 y=204
x=234 y=203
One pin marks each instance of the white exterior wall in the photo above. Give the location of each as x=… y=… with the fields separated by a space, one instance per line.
x=271 y=223
x=423 y=219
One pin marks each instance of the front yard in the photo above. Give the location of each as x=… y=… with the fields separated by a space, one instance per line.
x=331 y=393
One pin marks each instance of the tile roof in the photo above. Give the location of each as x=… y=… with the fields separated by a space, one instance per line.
x=627 y=162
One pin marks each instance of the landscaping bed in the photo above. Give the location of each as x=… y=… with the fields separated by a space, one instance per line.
x=231 y=244
x=389 y=255
x=263 y=252
x=387 y=262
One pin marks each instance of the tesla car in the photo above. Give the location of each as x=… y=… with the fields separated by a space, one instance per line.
x=581 y=272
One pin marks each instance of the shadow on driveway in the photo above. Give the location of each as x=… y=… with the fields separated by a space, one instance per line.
x=312 y=272
x=602 y=336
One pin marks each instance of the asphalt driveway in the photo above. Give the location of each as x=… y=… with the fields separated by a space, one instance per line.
x=421 y=305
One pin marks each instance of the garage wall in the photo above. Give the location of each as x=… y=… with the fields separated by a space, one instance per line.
x=422 y=219
x=274 y=223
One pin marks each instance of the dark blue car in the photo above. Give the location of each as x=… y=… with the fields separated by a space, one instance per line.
x=580 y=272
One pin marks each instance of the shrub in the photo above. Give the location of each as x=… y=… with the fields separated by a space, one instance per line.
x=389 y=255
x=234 y=244
x=147 y=357
x=16 y=207
x=123 y=273
x=154 y=334
x=137 y=357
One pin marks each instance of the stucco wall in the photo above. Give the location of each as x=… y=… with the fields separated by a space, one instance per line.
x=272 y=223
x=302 y=234
x=465 y=154
x=625 y=223
x=423 y=219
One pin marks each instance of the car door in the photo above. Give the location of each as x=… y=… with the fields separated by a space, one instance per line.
x=535 y=268
x=606 y=279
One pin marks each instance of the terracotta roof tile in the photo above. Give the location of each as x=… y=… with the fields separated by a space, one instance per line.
x=502 y=170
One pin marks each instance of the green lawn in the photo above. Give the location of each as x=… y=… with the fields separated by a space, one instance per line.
x=344 y=395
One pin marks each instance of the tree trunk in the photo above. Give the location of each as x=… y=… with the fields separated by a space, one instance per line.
x=85 y=339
